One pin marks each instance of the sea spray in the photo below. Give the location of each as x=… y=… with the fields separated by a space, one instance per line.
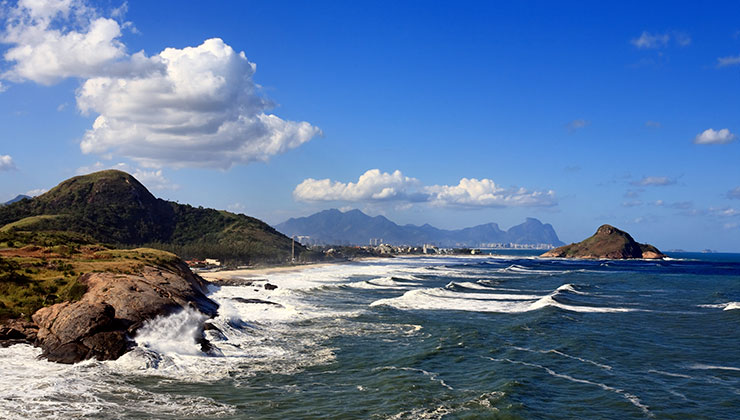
x=176 y=333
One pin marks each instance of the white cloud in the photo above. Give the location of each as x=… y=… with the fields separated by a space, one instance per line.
x=724 y=212
x=659 y=181
x=653 y=124
x=632 y=203
x=377 y=186
x=485 y=193
x=648 y=41
x=6 y=163
x=633 y=193
x=710 y=136
x=44 y=53
x=577 y=124
x=373 y=185
x=734 y=193
x=154 y=180
x=195 y=106
x=36 y=192
x=728 y=61
x=3 y=87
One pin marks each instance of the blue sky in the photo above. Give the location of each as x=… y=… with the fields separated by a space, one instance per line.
x=446 y=113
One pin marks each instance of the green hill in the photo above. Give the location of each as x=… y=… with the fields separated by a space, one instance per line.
x=113 y=208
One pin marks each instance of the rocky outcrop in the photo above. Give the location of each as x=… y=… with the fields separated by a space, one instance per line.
x=15 y=331
x=115 y=305
x=607 y=243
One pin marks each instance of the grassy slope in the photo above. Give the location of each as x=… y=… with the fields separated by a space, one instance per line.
x=33 y=276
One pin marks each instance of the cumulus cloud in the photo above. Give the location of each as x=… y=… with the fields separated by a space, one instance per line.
x=485 y=193
x=45 y=51
x=377 y=186
x=194 y=106
x=655 y=181
x=710 y=136
x=728 y=61
x=154 y=180
x=577 y=124
x=734 y=193
x=648 y=40
x=373 y=185
x=6 y=163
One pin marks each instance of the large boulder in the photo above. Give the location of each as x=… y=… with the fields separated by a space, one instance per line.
x=113 y=308
x=607 y=243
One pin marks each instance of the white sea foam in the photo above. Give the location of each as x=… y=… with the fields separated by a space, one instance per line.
x=31 y=388
x=728 y=306
x=443 y=299
x=628 y=396
x=393 y=283
x=559 y=353
x=570 y=288
x=671 y=374
x=732 y=306
x=175 y=333
x=702 y=366
x=549 y=300
x=431 y=375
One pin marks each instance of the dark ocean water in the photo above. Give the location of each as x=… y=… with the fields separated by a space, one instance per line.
x=504 y=337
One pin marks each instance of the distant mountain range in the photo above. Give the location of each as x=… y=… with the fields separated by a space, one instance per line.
x=356 y=228
x=18 y=197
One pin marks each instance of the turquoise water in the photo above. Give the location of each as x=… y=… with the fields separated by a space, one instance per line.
x=454 y=338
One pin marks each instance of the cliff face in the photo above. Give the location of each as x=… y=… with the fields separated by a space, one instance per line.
x=115 y=305
x=607 y=243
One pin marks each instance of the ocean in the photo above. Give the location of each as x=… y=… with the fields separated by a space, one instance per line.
x=492 y=337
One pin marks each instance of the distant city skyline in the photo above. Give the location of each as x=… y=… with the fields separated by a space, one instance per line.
x=452 y=114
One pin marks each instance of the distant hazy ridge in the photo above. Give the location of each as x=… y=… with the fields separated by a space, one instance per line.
x=355 y=227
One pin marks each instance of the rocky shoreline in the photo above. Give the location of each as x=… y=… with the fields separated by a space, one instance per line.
x=102 y=323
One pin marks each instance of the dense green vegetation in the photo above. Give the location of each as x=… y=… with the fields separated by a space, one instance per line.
x=113 y=208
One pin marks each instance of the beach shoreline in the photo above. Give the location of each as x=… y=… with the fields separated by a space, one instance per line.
x=226 y=276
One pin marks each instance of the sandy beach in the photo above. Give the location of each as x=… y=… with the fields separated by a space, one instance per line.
x=258 y=272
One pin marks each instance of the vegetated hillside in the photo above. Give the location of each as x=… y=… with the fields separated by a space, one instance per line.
x=114 y=208
x=609 y=243
x=355 y=227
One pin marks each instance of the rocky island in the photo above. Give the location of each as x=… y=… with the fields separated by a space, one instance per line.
x=607 y=243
